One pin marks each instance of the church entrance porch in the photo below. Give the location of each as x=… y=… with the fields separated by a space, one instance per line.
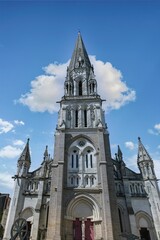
x=83 y=229
x=82 y=220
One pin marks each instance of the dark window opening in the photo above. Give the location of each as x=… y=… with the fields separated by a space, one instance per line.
x=72 y=180
x=93 y=87
x=86 y=161
x=92 y=180
x=120 y=220
x=91 y=162
x=47 y=216
x=76 y=118
x=80 y=88
x=77 y=180
x=144 y=233
x=72 y=161
x=85 y=118
x=67 y=88
x=77 y=161
x=87 y=180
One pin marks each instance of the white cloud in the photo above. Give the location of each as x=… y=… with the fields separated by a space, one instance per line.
x=18 y=142
x=158 y=147
x=130 y=145
x=157 y=127
x=17 y=122
x=110 y=85
x=5 y=126
x=10 y=152
x=48 y=88
x=156 y=130
x=6 y=180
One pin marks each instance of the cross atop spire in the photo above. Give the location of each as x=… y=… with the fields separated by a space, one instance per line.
x=79 y=57
x=143 y=155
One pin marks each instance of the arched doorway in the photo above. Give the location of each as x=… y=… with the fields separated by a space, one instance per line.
x=145 y=226
x=28 y=215
x=82 y=212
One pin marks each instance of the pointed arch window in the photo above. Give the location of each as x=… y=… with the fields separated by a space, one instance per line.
x=74 y=159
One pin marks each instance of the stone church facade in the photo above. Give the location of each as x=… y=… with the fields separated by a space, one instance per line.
x=82 y=193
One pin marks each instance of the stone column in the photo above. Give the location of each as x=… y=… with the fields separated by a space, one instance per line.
x=56 y=201
x=35 y=225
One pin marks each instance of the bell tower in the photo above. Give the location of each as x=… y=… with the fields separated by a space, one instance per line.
x=83 y=200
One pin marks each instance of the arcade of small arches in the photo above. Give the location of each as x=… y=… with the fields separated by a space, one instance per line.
x=135 y=189
x=84 y=115
x=76 y=88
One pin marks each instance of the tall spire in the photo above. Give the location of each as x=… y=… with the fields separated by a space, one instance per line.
x=79 y=57
x=80 y=78
x=143 y=155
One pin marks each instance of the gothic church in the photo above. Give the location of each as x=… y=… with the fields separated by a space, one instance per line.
x=82 y=193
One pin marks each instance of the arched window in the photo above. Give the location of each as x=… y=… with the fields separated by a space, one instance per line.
x=80 y=88
x=74 y=159
x=92 y=180
x=86 y=178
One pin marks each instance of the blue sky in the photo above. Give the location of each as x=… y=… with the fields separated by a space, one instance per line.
x=36 y=42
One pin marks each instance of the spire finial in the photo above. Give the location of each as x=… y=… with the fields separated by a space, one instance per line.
x=46 y=152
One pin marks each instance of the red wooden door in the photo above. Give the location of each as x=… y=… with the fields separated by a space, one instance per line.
x=89 y=234
x=77 y=229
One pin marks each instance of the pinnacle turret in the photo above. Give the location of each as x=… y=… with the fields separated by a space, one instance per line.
x=24 y=160
x=145 y=162
x=25 y=155
x=143 y=155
